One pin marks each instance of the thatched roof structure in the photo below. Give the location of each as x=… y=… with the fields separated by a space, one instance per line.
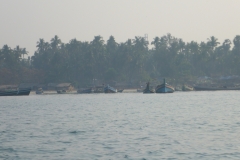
x=28 y=85
x=59 y=85
x=2 y=87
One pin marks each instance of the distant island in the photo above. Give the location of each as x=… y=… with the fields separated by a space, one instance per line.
x=133 y=62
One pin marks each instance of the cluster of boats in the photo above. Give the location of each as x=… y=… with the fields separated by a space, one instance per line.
x=99 y=89
x=166 y=88
x=162 y=88
x=96 y=89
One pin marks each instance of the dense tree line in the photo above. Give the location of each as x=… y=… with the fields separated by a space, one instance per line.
x=131 y=61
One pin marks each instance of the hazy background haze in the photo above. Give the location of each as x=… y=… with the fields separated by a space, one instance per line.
x=24 y=22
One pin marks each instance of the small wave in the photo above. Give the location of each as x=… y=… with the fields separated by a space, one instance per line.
x=7 y=149
x=77 y=132
x=107 y=147
x=64 y=142
x=143 y=138
x=180 y=153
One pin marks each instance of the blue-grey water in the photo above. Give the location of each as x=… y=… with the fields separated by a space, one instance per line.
x=134 y=126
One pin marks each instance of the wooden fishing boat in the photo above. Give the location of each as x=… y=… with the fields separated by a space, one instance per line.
x=85 y=90
x=39 y=91
x=120 y=90
x=164 y=88
x=187 y=88
x=98 y=89
x=109 y=89
x=61 y=91
x=17 y=92
x=147 y=89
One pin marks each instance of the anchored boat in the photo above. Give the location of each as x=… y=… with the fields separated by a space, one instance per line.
x=109 y=89
x=164 y=88
x=17 y=92
x=147 y=89
x=61 y=91
x=98 y=89
x=39 y=91
x=120 y=90
x=187 y=88
x=85 y=90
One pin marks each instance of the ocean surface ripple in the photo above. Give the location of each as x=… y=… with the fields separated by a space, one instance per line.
x=131 y=126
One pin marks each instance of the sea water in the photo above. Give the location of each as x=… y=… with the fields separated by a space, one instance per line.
x=134 y=126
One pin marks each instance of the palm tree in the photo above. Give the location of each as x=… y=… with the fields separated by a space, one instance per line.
x=41 y=45
x=213 y=42
x=128 y=42
x=236 y=41
x=55 y=42
x=163 y=42
x=226 y=45
x=204 y=49
x=194 y=47
x=169 y=39
x=140 y=43
x=111 y=44
x=18 y=52
x=97 y=57
x=6 y=51
x=156 y=43
x=74 y=42
x=181 y=45
x=8 y=57
x=98 y=40
x=24 y=52
x=140 y=50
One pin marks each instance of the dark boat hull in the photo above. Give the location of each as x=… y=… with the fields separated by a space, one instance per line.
x=187 y=88
x=39 y=92
x=61 y=91
x=99 y=90
x=89 y=90
x=164 y=89
x=148 y=91
x=121 y=90
x=109 y=89
x=20 y=92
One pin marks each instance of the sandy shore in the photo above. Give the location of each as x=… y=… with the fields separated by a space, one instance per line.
x=75 y=91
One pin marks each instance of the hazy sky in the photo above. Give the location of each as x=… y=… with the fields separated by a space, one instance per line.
x=23 y=22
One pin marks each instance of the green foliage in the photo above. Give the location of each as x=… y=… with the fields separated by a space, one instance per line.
x=110 y=74
x=131 y=61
